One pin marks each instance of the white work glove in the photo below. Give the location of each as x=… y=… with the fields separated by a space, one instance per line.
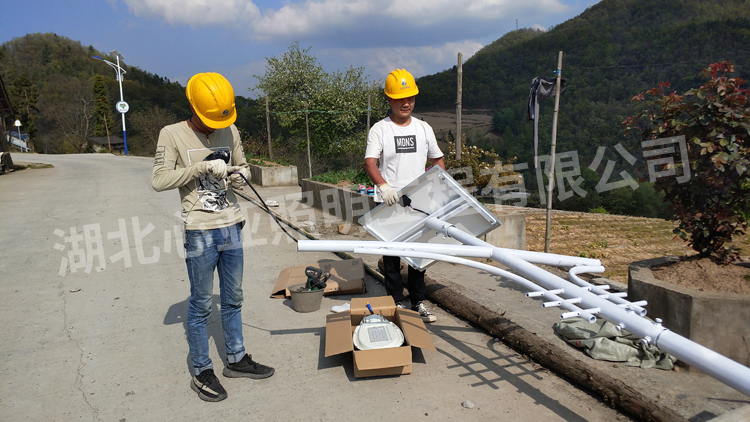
x=217 y=168
x=388 y=194
x=235 y=181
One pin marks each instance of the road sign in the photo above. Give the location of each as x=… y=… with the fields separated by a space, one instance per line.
x=122 y=107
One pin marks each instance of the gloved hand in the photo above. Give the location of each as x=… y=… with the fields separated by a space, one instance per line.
x=388 y=194
x=235 y=181
x=217 y=168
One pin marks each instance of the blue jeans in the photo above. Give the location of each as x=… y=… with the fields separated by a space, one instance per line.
x=206 y=251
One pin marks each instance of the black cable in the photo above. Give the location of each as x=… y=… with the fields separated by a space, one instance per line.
x=405 y=202
x=266 y=206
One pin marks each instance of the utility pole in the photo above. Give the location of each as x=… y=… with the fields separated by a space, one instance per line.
x=307 y=129
x=106 y=126
x=368 y=113
x=459 y=94
x=268 y=127
x=551 y=184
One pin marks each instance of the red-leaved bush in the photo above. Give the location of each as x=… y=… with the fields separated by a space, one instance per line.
x=714 y=204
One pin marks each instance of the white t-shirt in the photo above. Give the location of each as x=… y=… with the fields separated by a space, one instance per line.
x=402 y=151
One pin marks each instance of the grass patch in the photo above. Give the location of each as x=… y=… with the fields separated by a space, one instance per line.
x=23 y=165
x=350 y=176
x=616 y=240
x=266 y=162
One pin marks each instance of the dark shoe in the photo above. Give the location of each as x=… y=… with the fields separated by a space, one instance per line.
x=247 y=368
x=426 y=315
x=208 y=387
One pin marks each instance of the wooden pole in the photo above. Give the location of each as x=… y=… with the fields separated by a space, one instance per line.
x=307 y=128
x=106 y=126
x=459 y=94
x=268 y=127
x=368 y=113
x=551 y=184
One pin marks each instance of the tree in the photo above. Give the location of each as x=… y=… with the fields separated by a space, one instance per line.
x=714 y=205
x=70 y=114
x=103 y=121
x=25 y=97
x=147 y=125
x=336 y=101
x=48 y=60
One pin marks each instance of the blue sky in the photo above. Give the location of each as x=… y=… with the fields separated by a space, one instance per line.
x=178 y=38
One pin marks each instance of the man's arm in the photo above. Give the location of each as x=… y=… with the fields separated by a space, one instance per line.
x=438 y=161
x=238 y=154
x=239 y=163
x=164 y=175
x=371 y=168
x=387 y=192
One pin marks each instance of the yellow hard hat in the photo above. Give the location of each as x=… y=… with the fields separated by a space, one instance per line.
x=400 y=84
x=212 y=98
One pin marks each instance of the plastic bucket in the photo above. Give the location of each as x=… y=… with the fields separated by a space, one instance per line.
x=305 y=301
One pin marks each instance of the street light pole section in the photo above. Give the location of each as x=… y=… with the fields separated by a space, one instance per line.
x=119 y=72
x=119 y=78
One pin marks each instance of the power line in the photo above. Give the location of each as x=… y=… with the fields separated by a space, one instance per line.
x=320 y=111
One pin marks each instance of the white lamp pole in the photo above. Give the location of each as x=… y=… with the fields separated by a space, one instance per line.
x=122 y=106
x=18 y=125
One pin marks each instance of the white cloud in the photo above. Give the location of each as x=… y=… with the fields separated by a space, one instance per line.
x=196 y=12
x=378 y=62
x=335 y=22
x=422 y=36
x=419 y=61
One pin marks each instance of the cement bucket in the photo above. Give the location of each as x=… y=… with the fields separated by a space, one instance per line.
x=305 y=301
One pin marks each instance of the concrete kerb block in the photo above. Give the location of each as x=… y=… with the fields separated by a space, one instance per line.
x=343 y=204
x=511 y=234
x=273 y=176
x=713 y=319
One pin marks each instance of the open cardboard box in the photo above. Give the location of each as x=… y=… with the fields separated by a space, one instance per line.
x=377 y=362
x=347 y=277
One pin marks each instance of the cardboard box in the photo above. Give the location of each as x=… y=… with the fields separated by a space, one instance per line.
x=347 y=277
x=377 y=362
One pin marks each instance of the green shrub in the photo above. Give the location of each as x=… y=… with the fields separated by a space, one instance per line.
x=351 y=175
x=482 y=162
x=598 y=210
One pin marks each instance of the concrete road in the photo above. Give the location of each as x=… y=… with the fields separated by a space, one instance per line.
x=94 y=292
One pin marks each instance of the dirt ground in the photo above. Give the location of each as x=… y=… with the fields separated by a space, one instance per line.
x=475 y=121
x=618 y=240
x=706 y=275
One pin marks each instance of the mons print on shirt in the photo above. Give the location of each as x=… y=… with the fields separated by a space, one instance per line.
x=405 y=144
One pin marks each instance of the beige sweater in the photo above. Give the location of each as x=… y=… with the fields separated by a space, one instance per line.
x=206 y=201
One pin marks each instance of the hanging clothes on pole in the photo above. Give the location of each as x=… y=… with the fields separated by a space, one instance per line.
x=540 y=87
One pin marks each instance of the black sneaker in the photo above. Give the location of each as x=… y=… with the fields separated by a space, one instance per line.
x=208 y=387
x=247 y=368
x=425 y=313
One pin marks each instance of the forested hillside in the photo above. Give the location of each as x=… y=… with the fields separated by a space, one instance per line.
x=52 y=83
x=611 y=52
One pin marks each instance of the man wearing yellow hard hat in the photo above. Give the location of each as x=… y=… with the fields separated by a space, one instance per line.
x=402 y=144
x=195 y=156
